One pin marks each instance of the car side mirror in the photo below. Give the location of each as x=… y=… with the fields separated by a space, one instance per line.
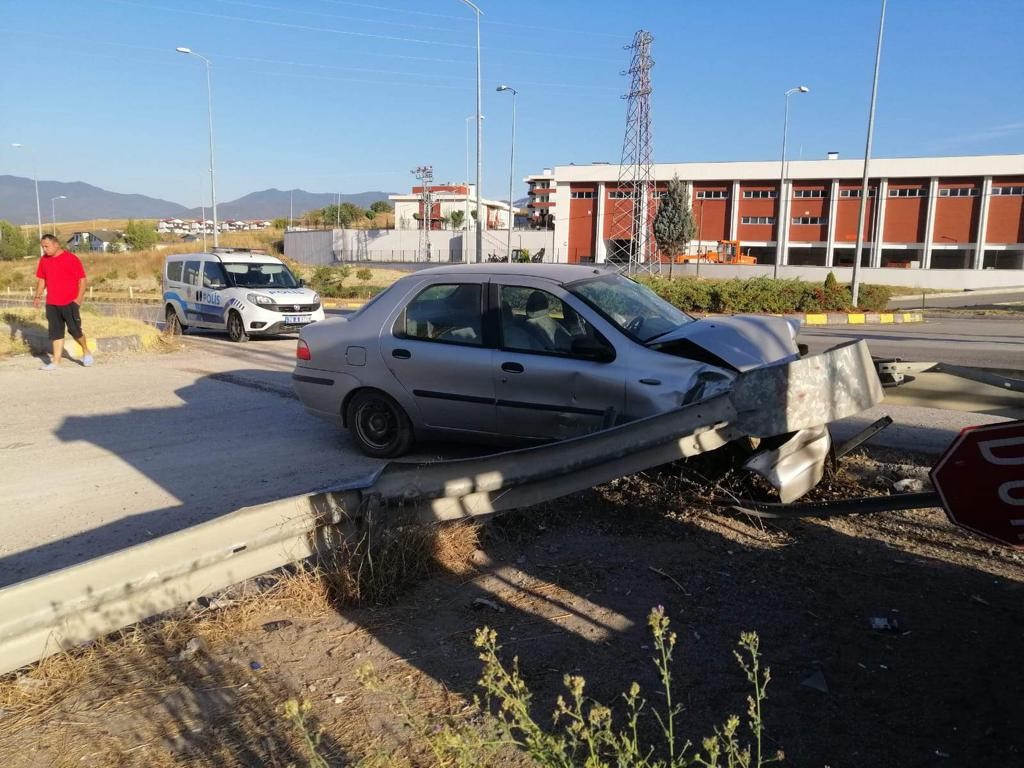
x=302 y=283
x=590 y=348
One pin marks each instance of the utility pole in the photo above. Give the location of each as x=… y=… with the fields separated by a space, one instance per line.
x=425 y=174
x=635 y=223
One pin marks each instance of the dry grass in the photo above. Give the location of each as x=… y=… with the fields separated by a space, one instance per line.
x=94 y=325
x=11 y=345
x=194 y=710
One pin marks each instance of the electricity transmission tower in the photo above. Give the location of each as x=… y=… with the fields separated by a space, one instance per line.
x=633 y=222
x=425 y=174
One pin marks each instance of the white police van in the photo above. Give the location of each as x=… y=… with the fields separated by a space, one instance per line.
x=243 y=292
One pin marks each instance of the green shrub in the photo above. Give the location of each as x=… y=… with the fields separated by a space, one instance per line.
x=764 y=294
x=327 y=281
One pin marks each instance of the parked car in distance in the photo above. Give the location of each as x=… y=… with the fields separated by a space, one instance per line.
x=245 y=293
x=519 y=352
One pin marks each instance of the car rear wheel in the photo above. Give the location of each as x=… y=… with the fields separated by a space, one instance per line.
x=236 y=328
x=379 y=425
x=173 y=325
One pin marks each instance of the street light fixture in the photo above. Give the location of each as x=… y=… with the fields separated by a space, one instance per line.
x=35 y=178
x=53 y=210
x=209 y=100
x=783 y=224
x=511 y=167
x=479 y=137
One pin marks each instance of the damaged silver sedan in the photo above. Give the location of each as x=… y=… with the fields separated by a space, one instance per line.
x=522 y=353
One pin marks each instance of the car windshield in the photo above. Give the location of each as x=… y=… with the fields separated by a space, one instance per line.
x=260 y=275
x=635 y=309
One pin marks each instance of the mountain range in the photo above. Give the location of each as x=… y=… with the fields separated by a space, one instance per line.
x=84 y=201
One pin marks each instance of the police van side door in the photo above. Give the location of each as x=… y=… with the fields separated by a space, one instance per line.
x=210 y=294
x=191 y=278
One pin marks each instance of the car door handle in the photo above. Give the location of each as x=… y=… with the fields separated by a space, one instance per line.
x=401 y=354
x=652 y=382
x=512 y=367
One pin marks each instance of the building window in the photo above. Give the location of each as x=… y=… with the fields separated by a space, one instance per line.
x=712 y=194
x=620 y=194
x=581 y=195
x=1014 y=190
x=759 y=194
x=907 y=192
x=814 y=193
x=810 y=219
x=959 y=192
x=856 y=192
x=757 y=219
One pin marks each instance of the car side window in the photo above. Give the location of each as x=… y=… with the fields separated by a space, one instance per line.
x=192 y=272
x=448 y=312
x=213 y=276
x=174 y=271
x=533 y=320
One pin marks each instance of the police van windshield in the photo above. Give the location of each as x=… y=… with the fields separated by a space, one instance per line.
x=250 y=275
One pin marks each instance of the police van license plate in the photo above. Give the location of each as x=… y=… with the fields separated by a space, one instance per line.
x=296 y=319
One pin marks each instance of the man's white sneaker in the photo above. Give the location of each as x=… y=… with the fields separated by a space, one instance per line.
x=48 y=367
x=87 y=360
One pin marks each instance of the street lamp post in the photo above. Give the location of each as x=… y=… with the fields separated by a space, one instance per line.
x=511 y=167
x=209 y=100
x=782 y=228
x=479 y=137
x=855 y=286
x=53 y=210
x=35 y=178
x=465 y=216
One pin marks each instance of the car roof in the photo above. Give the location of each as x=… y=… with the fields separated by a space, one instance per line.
x=559 y=273
x=229 y=256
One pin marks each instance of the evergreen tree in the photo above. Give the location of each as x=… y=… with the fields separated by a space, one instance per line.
x=674 y=226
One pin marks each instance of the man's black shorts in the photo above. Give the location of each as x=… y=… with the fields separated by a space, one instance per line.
x=59 y=317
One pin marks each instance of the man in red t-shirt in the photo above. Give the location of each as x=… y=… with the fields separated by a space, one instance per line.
x=63 y=277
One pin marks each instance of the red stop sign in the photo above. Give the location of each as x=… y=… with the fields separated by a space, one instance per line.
x=980 y=480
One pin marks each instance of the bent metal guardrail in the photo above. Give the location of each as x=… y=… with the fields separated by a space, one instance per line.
x=78 y=604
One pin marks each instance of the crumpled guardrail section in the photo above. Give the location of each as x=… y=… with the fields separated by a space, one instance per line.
x=78 y=604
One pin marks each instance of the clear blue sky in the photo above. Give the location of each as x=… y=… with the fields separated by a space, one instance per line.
x=332 y=96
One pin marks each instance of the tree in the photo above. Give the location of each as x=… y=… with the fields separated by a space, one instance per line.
x=674 y=226
x=140 y=235
x=370 y=215
x=13 y=243
x=381 y=206
x=458 y=218
x=281 y=223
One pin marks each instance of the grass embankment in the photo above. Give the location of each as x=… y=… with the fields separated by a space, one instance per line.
x=32 y=322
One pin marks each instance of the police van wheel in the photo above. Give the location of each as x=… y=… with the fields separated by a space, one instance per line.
x=379 y=425
x=236 y=328
x=173 y=325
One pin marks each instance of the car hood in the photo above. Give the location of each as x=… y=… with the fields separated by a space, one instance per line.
x=288 y=295
x=742 y=341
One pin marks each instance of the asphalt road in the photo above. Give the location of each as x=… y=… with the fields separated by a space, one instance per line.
x=965 y=299
x=97 y=459
x=982 y=342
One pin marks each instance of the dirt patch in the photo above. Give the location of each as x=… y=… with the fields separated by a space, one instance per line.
x=568 y=587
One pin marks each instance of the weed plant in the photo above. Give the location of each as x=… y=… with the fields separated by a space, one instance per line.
x=586 y=733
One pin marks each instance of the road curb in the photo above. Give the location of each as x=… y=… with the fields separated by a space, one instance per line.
x=38 y=342
x=858 y=318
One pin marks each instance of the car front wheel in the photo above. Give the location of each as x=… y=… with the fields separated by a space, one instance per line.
x=236 y=328
x=379 y=425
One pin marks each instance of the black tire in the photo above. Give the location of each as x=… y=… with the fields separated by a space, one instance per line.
x=379 y=425
x=236 y=328
x=173 y=325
